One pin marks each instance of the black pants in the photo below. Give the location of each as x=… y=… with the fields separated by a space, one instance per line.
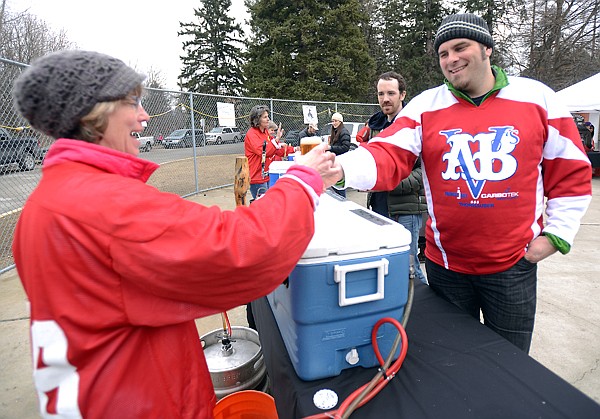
x=250 y=317
x=506 y=299
x=379 y=203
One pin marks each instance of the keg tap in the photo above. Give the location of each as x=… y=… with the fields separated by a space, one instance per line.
x=226 y=348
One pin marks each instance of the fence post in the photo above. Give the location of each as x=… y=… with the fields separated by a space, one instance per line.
x=194 y=142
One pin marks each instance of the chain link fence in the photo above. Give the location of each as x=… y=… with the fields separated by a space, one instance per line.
x=187 y=167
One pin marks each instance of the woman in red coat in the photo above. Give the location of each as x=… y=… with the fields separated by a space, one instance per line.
x=261 y=150
x=115 y=270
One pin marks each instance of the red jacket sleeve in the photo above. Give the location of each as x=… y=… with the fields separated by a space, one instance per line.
x=363 y=134
x=220 y=259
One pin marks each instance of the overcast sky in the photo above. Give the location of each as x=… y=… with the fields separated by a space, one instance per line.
x=139 y=32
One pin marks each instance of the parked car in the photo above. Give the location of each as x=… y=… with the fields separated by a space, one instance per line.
x=292 y=137
x=184 y=138
x=146 y=143
x=41 y=155
x=221 y=135
x=20 y=150
x=352 y=127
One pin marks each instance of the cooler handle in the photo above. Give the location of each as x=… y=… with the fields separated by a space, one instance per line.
x=340 y=278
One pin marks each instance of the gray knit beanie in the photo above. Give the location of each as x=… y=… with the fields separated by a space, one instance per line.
x=465 y=25
x=57 y=90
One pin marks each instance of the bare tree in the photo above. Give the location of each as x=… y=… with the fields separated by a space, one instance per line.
x=562 y=41
x=24 y=36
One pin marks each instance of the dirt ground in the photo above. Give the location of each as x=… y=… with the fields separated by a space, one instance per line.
x=178 y=176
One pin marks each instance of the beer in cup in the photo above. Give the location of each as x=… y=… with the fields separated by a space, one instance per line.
x=308 y=143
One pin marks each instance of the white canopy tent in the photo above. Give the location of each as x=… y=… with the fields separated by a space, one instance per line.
x=584 y=98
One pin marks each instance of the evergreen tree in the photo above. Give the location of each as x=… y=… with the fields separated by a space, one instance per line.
x=489 y=10
x=497 y=14
x=373 y=35
x=213 y=56
x=405 y=34
x=308 y=50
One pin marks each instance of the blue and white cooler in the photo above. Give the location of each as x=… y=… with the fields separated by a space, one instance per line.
x=278 y=168
x=354 y=272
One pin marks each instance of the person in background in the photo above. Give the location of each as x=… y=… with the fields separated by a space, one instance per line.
x=339 y=138
x=592 y=147
x=309 y=131
x=406 y=203
x=496 y=151
x=260 y=149
x=391 y=91
x=590 y=128
x=339 y=141
x=275 y=134
x=116 y=271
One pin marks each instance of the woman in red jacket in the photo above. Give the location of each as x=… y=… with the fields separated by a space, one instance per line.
x=115 y=270
x=261 y=149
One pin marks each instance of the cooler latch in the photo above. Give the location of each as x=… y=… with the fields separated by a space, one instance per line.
x=340 y=278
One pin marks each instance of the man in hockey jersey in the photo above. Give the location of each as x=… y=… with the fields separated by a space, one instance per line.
x=493 y=147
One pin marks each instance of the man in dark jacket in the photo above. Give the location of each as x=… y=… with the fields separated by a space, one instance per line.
x=391 y=91
x=309 y=131
x=406 y=204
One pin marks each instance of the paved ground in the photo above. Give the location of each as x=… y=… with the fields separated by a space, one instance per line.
x=566 y=339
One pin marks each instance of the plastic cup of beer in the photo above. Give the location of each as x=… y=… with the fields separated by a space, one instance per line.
x=308 y=143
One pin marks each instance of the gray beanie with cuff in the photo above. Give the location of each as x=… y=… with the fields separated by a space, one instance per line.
x=60 y=88
x=464 y=25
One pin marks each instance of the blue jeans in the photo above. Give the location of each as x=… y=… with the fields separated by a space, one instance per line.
x=506 y=299
x=254 y=187
x=413 y=224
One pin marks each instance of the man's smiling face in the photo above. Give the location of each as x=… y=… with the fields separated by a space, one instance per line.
x=466 y=64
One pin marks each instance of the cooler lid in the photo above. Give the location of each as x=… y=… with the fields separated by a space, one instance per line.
x=343 y=227
x=280 y=166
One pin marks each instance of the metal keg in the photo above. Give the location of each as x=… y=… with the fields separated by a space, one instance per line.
x=235 y=362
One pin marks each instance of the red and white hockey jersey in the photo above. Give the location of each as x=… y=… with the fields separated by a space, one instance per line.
x=487 y=170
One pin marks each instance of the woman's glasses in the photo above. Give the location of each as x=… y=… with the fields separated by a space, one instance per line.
x=133 y=100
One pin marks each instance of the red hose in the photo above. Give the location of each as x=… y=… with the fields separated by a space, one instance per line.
x=381 y=382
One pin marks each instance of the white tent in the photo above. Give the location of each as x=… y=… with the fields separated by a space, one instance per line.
x=583 y=96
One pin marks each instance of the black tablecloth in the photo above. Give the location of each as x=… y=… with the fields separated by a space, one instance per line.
x=594 y=157
x=455 y=368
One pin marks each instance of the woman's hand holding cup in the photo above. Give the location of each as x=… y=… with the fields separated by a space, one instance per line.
x=323 y=162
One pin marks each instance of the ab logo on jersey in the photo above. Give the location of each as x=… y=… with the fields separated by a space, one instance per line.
x=491 y=160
